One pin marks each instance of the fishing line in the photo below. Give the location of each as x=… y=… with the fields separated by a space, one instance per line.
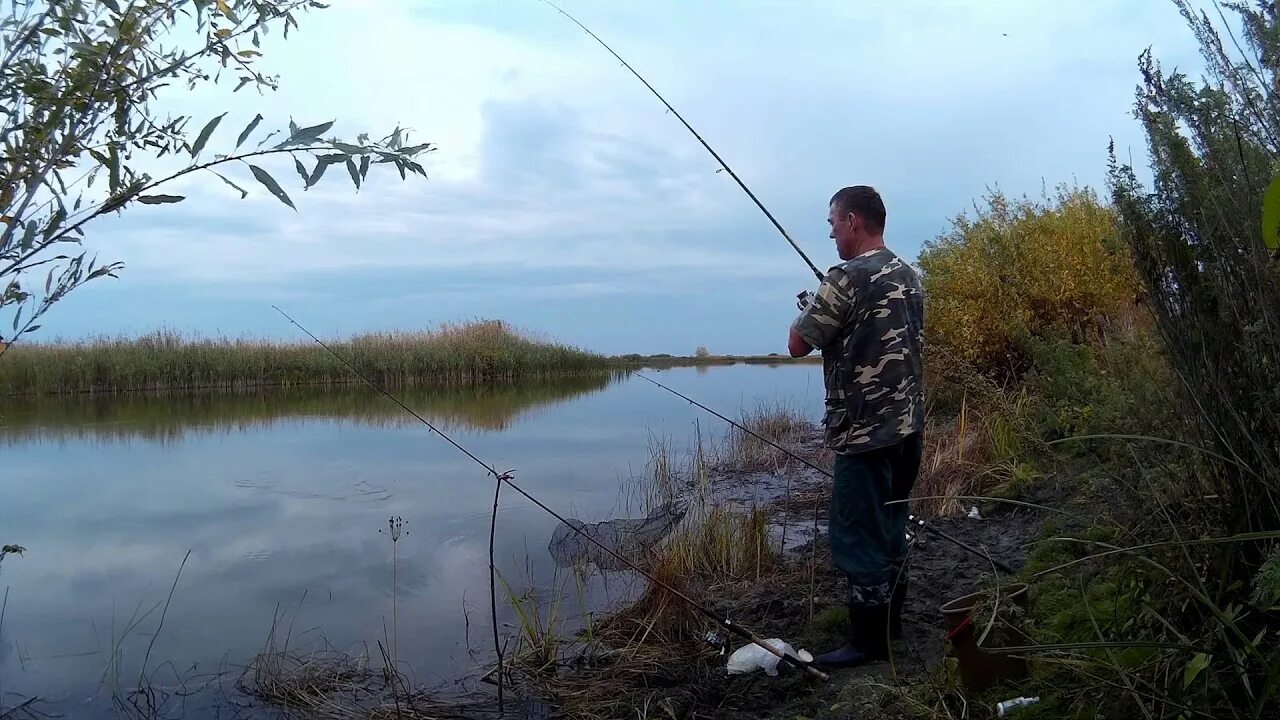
x=689 y=127
x=911 y=518
x=505 y=477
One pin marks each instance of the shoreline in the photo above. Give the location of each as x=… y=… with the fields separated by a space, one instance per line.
x=796 y=597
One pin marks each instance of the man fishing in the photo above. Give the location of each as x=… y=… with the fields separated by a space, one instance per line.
x=867 y=319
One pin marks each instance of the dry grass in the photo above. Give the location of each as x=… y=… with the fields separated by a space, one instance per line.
x=644 y=657
x=331 y=685
x=742 y=451
x=956 y=457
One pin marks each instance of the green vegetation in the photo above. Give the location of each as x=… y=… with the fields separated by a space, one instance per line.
x=1161 y=420
x=473 y=352
x=81 y=82
x=1022 y=268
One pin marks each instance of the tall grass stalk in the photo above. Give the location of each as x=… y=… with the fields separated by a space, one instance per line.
x=166 y=359
x=395 y=530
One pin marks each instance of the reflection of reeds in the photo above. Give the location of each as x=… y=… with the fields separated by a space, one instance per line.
x=476 y=351
x=170 y=416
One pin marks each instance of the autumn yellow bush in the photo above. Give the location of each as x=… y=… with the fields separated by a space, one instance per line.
x=1023 y=268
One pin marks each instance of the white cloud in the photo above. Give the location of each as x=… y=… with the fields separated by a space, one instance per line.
x=552 y=157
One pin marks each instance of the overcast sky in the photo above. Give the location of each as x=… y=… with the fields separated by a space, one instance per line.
x=564 y=199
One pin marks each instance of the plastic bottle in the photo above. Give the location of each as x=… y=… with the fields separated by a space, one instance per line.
x=1003 y=708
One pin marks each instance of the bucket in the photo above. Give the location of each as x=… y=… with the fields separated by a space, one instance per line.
x=979 y=669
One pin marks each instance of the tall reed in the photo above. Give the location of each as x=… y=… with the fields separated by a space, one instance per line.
x=166 y=359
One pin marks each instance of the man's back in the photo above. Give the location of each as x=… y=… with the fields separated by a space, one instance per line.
x=874 y=364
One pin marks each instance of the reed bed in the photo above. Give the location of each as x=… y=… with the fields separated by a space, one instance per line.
x=166 y=359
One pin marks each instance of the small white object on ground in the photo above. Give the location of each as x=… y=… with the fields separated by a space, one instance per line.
x=752 y=657
x=973 y=513
x=1004 y=707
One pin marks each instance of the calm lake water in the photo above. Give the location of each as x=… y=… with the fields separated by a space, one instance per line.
x=280 y=498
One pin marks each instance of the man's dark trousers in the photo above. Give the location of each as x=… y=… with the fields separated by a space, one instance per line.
x=868 y=537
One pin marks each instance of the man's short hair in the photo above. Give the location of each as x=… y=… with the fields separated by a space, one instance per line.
x=864 y=201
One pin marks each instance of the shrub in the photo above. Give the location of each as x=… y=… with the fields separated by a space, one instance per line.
x=1119 y=386
x=1024 y=268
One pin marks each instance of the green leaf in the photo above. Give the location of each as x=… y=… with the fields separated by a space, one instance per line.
x=308 y=134
x=270 y=183
x=270 y=135
x=243 y=193
x=349 y=149
x=29 y=236
x=302 y=171
x=244 y=134
x=160 y=199
x=355 y=174
x=32 y=329
x=1195 y=667
x=203 y=137
x=16 y=318
x=323 y=164
x=1271 y=215
x=55 y=222
x=364 y=167
x=113 y=168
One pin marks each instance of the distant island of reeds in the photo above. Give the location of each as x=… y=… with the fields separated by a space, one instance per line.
x=473 y=352
x=482 y=351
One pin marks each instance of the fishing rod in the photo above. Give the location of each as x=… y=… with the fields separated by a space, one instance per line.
x=689 y=127
x=912 y=518
x=506 y=478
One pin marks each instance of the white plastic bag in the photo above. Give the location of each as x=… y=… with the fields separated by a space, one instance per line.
x=752 y=657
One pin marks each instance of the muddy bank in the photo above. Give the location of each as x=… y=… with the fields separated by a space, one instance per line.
x=799 y=600
x=939 y=572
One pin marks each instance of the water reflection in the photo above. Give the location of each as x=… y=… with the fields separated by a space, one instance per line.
x=279 y=496
x=168 y=418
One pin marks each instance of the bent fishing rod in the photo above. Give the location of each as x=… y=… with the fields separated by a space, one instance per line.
x=506 y=478
x=917 y=521
x=689 y=127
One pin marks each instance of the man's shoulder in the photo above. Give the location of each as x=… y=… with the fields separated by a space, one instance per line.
x=872 y=266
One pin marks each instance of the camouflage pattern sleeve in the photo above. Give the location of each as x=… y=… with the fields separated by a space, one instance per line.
x=821 y=323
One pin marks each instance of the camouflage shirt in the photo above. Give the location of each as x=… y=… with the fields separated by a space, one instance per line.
x=867 y=318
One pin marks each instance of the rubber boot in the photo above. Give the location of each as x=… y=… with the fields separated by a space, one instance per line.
x=896 y=603
x=866 y=638
x=873 y=630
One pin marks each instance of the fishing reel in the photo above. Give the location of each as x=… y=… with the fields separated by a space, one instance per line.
x=803 y=298
x=717 y=639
